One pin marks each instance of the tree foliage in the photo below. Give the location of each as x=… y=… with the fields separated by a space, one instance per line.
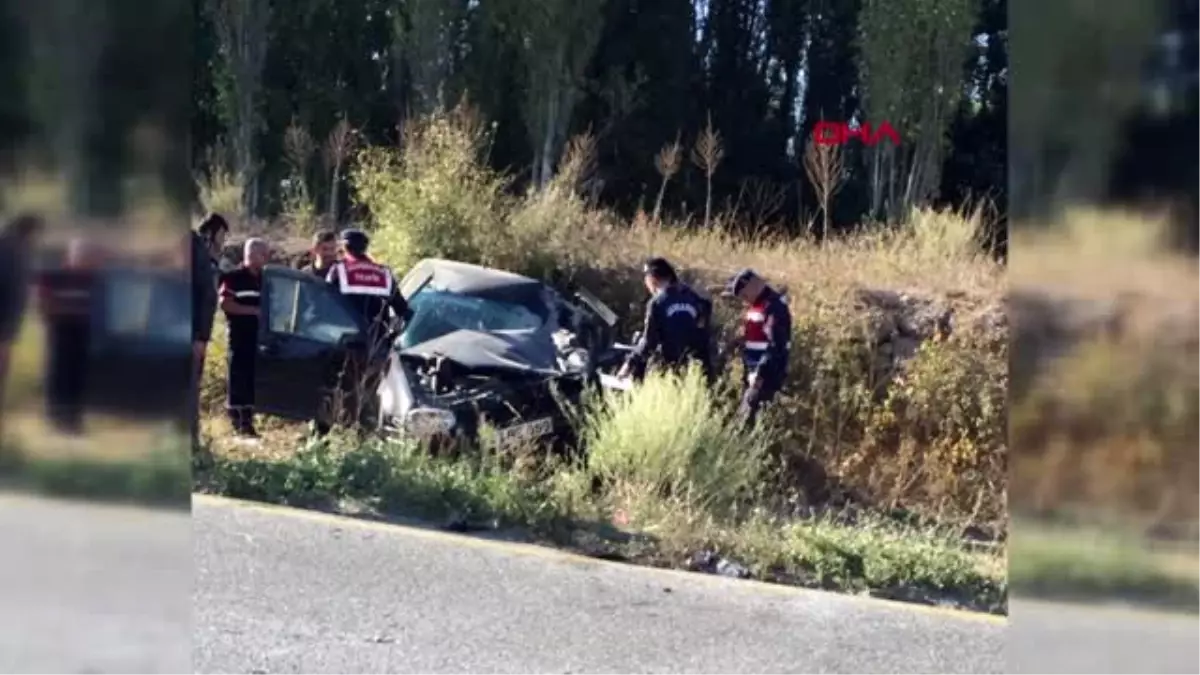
x=639 y=75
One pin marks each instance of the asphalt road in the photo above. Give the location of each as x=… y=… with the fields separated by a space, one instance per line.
x=86 y=588
x=281 y=591
x=243 y=588
x=1054 y=638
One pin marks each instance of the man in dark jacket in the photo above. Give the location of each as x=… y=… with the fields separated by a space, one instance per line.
x=677 y=324
x=207 y=241
x=66 y=297
x=323 y=252
x=766 y=340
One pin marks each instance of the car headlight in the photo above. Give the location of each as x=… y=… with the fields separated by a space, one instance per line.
x=429 y=422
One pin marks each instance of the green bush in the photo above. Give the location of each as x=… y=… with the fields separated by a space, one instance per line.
x=670 y=437
x=947 y=411
x=433 y=197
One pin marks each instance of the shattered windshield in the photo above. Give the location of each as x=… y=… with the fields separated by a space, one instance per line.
x=436 y=313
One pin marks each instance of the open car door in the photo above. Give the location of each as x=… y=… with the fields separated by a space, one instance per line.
x=305 y=331
x=140 y=349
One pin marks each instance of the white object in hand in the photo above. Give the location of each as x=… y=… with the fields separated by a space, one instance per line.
x=610 y=382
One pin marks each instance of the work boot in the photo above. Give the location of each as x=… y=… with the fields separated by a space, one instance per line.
x=247 y=428
x=242 y=421
x=319 y=429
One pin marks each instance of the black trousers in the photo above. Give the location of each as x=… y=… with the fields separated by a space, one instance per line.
x=755 y=397
x=239 y=372
x=66 y=372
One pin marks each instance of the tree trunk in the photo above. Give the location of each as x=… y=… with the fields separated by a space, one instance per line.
x=243 y=27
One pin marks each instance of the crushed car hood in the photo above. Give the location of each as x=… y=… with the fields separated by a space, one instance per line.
x=526 y=351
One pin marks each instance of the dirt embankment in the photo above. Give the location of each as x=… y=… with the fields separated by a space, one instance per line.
x=1104 y=397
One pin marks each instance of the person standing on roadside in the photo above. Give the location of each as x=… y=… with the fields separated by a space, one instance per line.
x=66 y=296
x=371 y=290
x=324 y=253
x=677 y=324
x=239 y=293
x=206 y=243
x=766 y=340
x=16 y=251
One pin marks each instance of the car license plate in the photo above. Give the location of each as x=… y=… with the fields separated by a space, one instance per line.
x=525 y=432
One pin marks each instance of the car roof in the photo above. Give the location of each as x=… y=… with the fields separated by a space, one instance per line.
x=459 y=277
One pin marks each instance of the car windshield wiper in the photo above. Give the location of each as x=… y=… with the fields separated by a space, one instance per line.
x=420 y=287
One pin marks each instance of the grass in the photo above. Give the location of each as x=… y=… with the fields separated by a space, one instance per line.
x=674 y=440
x=1093 y=564
x=143 y=466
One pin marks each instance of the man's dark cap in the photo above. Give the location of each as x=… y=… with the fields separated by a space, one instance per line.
x=659 y=268
x=739 y=281
x=355 y=240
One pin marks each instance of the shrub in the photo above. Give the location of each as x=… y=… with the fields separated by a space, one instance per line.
x=550 y=228
x=670 y=438
x=220 y=190
x=433 y=196
x=944 y=423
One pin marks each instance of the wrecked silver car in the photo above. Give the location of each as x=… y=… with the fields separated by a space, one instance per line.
x=481 y=346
